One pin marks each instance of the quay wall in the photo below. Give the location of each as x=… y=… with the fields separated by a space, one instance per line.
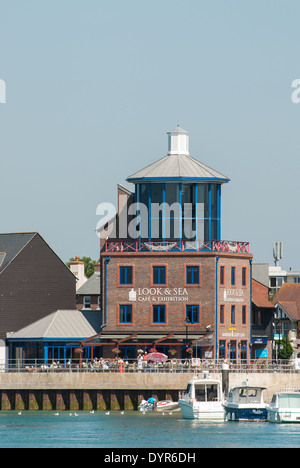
x=114 y=391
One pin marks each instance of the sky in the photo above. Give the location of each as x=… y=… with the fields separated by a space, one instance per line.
x=93 y=86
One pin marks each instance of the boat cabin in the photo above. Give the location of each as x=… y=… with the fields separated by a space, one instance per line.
x=286 y=400
x=204 y=390
x=246 y=395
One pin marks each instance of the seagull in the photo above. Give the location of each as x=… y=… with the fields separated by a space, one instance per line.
x=20 y=413
x=92 y=412
x=70 y=414
x=107 y=413
x=122 y=412
x=56 y=414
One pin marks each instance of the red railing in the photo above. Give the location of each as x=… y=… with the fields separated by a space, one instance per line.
x=177 y=246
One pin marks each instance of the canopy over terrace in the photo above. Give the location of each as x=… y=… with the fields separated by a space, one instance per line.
x=140 y=340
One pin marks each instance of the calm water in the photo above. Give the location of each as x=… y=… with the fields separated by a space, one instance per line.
x=135 y=430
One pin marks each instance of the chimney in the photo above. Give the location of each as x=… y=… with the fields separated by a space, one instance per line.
x=77 y=268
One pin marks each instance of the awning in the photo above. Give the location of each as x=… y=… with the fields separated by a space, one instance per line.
x=207 y=340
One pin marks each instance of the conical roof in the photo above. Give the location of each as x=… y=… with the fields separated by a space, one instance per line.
x=178 y=167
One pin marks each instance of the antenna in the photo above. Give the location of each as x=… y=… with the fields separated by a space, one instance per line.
x=277 y=251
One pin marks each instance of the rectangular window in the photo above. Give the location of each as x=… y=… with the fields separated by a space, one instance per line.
x=222 y=314
x=87 y=302
x=192 y=314
x=232 y=276
x=233 y=315
x=244 y=315
x=125 y=277
x=222 y=275
x=244 y=276
x=159 y=314
x=125 y=313
x=159 y=275
x=192 y=275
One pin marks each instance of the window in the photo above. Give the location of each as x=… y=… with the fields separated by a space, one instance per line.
x=192 y=314
x=244 y=276
x=159 y=275
x=222 y=275
x=159 y=314
x=222 y=314
x=192 y=275
x=232 y=276
x=244 y=315
x=87 y=302
x=125 y=277
x=125 y=313
x=233 y=315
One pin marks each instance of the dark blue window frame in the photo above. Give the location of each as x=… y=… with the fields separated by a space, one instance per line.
x=125 y=313
x=159 y=314
x=159 y=275
x=232 y=276
x=222 y=314
x=192 y=275
x=222 y=275
x=232 y=315
x=244 y=315
x=126 y=277
x=192 y=313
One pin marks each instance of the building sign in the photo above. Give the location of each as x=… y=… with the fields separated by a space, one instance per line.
x=159 y=295
x=234 y=295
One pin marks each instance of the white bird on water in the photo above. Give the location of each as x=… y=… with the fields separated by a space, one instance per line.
x=20 y=412
x=92 y=412
x=107 y=413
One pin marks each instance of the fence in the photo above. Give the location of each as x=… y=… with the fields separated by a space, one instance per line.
x=194 y=365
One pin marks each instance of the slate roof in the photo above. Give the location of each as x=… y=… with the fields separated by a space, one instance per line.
x=178 y=167
x=67 y=324
x=91 y=286
x=11 y=245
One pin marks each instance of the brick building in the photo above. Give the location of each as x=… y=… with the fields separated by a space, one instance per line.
x=168 y=281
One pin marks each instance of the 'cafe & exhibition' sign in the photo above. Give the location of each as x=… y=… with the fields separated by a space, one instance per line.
x=159 y=295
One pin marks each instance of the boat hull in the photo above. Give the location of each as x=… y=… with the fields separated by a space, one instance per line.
x=245 y=413
x=284 y=416
x=213 y=411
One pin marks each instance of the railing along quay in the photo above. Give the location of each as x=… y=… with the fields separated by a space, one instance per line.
x=194 y=365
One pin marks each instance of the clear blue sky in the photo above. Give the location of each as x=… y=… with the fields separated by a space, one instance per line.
x=93 y=86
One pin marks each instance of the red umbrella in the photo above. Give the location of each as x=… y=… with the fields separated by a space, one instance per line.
x=157 y=357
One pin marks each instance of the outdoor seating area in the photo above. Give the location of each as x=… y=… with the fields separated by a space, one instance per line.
x=118 y=365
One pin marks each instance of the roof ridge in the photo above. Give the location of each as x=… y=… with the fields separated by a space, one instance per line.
x=55 y=313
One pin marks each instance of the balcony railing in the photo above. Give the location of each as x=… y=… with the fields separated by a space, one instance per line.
x=194 y=365
x=235 y=247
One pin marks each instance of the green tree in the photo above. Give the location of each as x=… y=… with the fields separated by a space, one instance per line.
x=286 y=350
x=89 y=265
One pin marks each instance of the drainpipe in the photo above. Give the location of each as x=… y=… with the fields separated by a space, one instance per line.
x=250 y=261
x=107 y=260
x=216 y=347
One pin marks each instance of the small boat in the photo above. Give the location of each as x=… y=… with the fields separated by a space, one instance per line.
x=203 y=399
x=164 y=405
x=284 y=407
x=246 y=403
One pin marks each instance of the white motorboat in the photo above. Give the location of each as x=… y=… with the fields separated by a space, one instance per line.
x=203 y=399
x=164 y=405
x=284 y=407
x=246 y=403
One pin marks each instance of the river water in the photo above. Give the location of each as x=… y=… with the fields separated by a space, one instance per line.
x=137 y=430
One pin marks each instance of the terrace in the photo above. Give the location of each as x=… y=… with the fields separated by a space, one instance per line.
x=232 y=247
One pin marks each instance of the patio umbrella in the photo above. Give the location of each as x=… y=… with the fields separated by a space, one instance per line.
x=157 y=357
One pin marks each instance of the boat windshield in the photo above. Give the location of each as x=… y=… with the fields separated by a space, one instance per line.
x=205 y=392
x=289 y=400
x=250 y=395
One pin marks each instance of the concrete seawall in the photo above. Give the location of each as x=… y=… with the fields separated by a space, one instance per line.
x=115 y=391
